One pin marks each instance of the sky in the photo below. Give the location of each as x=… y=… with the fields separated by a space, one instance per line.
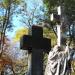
x=18 y=25
x=16 y=20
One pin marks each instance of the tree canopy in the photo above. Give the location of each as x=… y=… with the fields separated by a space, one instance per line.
x=19 y=34
x=67 y=14
x=7 y=8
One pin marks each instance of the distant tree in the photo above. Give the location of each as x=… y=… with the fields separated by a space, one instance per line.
x=7 y=8
x=5 y=58
x=33 y=14
x=19 y=33
x=13 y=56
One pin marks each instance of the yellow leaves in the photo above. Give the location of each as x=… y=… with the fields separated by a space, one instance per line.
x=17 y=1
x=5 y=3
x=20 y=33
x=50 y=34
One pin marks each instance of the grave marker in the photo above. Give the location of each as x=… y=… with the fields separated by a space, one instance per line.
x=36 y=44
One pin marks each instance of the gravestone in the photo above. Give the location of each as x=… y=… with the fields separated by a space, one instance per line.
x=36 y=44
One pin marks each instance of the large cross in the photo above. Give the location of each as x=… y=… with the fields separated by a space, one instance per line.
x=36 y=44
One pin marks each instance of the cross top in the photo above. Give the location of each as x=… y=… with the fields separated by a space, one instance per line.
x=36 y=40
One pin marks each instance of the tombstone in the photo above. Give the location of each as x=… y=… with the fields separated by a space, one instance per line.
x=36 y=44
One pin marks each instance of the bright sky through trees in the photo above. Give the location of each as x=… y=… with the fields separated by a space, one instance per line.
x=16 y=19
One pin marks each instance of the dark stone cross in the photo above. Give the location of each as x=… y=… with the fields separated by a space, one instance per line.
x=36 y=45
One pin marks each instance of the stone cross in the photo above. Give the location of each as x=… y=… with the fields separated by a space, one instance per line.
x=36 y=44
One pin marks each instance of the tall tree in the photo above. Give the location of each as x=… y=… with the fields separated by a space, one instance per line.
x=67 y=13
x=33 y=14
x=7 y=8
